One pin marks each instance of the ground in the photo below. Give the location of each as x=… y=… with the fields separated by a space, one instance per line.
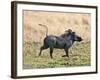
x=79 y=55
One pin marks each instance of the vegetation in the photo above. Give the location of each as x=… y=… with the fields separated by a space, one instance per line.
x=79 y=56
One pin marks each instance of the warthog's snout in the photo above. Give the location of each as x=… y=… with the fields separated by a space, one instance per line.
x=80 y=39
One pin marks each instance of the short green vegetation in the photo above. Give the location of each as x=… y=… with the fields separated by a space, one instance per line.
x=79 y=55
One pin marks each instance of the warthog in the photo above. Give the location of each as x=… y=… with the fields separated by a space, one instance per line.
x=65 y=41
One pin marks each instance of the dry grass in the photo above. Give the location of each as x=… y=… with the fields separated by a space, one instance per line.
x=57 y=23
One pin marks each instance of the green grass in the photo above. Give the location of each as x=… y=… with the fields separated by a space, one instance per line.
x=79 y=55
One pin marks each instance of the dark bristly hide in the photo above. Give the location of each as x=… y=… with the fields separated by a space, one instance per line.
x=65 y=41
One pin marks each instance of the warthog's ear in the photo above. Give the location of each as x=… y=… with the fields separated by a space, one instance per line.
x=69 y=30
x=73 y=33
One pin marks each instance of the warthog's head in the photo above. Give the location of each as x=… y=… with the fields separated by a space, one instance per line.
x=75 y=37
x=70 y=35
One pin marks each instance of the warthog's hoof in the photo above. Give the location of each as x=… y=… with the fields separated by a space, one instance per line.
x=65 y=56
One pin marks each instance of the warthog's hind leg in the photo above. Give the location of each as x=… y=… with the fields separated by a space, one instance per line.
x=42 y=48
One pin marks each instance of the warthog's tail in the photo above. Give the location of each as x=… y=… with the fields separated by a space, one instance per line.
x=45 y=28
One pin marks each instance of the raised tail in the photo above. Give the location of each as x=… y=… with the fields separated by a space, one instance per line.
x=45 y=28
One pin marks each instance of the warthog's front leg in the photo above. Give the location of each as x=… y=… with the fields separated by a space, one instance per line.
x=66 y=51
x=51 y=51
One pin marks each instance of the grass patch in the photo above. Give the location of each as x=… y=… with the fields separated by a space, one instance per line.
x=79 y=55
